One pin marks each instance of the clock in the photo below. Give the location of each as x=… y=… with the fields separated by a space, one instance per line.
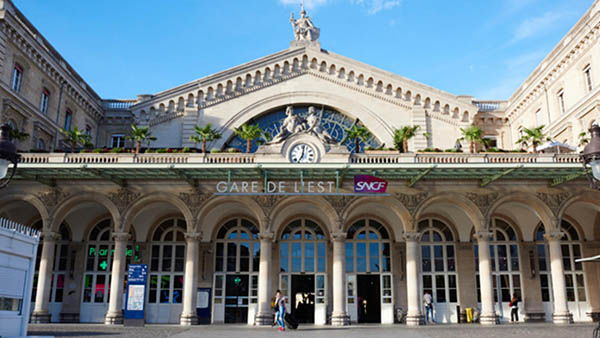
x=302 y=153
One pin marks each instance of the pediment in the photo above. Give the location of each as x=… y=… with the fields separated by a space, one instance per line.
x=292 y=63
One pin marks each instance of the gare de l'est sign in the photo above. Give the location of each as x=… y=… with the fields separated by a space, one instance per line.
x=364 y=184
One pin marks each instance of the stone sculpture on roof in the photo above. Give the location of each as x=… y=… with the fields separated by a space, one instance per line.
x=304 y=30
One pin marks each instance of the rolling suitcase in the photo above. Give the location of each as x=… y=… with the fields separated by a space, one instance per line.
x=290 y=321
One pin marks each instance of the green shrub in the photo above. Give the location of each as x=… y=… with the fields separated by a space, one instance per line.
x=161 y=151
x=233 y=150
x=215 y=150
x=116 y=150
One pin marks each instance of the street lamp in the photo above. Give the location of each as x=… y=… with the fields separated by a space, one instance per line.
x=8 y=155
x=591 y=157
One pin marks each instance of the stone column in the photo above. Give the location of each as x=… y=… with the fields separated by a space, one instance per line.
x=561 y=314
x=115 y=303
x=488 y=313
x=190 y=284
x=339 y=317
x=264 y=314
x=414 y=316
x=40 y=312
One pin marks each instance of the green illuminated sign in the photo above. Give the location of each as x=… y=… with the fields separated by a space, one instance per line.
x=92 y=251
x=129 y=252
x=237 y=280
x=103 y=252
x=103 y=265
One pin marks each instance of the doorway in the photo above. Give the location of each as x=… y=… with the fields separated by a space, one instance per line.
x=236 y=299
x=369 y=299
x=303 y=298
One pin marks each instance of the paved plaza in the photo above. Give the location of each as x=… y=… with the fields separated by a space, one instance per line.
x=365 y=331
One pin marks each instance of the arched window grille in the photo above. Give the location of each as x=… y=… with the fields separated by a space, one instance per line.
x=438 y=261
x=167 y=262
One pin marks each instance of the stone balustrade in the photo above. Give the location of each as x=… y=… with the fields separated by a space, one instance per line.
x=242 y=158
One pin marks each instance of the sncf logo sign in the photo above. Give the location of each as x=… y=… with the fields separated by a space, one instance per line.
x=369 y=184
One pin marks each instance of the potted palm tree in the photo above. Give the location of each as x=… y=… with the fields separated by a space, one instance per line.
x=74 y=137
x=357 y=134
x=139 y=135
x=205 y=134
x=249 y=133
x=534 y=136
x=473 y=135
x=402 y=135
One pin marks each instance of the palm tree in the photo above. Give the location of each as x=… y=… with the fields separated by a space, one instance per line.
x=472 y=135
x=402 y=135
x=583 y=139
x=139 y=135
x=74 y=137
x=265 y=137
x=248 y=132
x=535 y=136
x=357 y=134
x=205 y=134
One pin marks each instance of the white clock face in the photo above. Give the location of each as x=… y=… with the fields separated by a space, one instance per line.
x=302 y=153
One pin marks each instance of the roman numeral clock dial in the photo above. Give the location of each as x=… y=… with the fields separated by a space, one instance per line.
x=302 y=153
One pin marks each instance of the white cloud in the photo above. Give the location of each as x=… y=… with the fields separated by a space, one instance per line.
x=372 y=6
x=536 y=25
x=309 y=4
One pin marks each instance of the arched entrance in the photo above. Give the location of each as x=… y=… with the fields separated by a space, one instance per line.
x=303 y=270
x=237 y=256
x=59 y=271
x=369 y=272
x=98 y=267
x=574 y=272
x=506 y=273
x=438 y=269
x=167 y=262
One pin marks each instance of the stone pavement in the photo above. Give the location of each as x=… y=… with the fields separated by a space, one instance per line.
x=545 y=330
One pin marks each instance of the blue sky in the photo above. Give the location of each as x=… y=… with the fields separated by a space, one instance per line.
x=484 y=48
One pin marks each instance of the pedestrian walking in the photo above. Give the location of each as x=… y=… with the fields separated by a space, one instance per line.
x=514 y=308
x=428 y=300
x=280 y=304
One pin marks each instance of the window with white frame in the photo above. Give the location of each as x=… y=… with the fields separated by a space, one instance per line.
x=303 y=247
x=44 y=101
x=167 y=262
x=587 y=75
x=17 y=77
x=561 y=101
x=118 y=140
x=438 y=261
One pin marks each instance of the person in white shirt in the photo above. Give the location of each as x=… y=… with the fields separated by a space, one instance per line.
x=428 y=300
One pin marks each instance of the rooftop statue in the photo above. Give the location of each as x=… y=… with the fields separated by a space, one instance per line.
x=313 y=123
x=304 y=30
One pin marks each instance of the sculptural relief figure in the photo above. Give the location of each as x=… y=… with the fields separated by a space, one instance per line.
x=304 y=28
x=292 y=124
x=313 y=123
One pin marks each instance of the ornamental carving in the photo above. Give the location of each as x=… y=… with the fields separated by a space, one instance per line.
x=553 y=201
x=123 y=199
x=411 y=201
x=53 y=197
x=195 y=201
x=267 y=203
x=483 y=201
x=339 y=202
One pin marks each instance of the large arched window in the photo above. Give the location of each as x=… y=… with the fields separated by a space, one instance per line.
x=60 y=267
x=438 y=267
x=98 y=266
x=368 y=270
x=574 y=272
x=504 y=254
x=302 y=266
x=237 y=258
x=167 y=262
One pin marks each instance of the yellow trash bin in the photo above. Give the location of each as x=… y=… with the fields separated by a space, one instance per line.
x=469 y=312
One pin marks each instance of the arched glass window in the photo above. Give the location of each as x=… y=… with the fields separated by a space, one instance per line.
x=167 y=262
x=504 y=254
x=438 y=261
x=60 y=266
x=98 y=266
x=237 y=258
x=302 y=247
x=574 y=273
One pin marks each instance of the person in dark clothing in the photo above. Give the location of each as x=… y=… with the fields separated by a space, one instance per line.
x=514 y=308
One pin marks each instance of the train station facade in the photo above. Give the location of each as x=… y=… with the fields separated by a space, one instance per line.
x=348 y=235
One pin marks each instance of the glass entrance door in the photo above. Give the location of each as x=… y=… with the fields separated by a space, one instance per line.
x=369 y=299
x=302 y=298
x=236 y=298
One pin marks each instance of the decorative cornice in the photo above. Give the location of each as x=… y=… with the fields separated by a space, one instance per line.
x=50 y=236
x=554 y=235
x=411 y=236
x=267 y=203
x=193 y=236
x=195 y=201
x=120 y=236
x=411 y=201
x=339 y=202
x=485 y=236
x=553 y=201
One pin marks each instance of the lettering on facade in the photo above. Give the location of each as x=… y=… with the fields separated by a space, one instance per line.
x=276 y=187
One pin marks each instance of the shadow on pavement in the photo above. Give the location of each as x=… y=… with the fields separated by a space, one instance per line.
x=71 y=333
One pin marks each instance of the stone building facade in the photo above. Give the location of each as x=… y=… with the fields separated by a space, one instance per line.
x=471 y=229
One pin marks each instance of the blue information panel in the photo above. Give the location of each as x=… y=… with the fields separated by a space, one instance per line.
x=135 y=301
